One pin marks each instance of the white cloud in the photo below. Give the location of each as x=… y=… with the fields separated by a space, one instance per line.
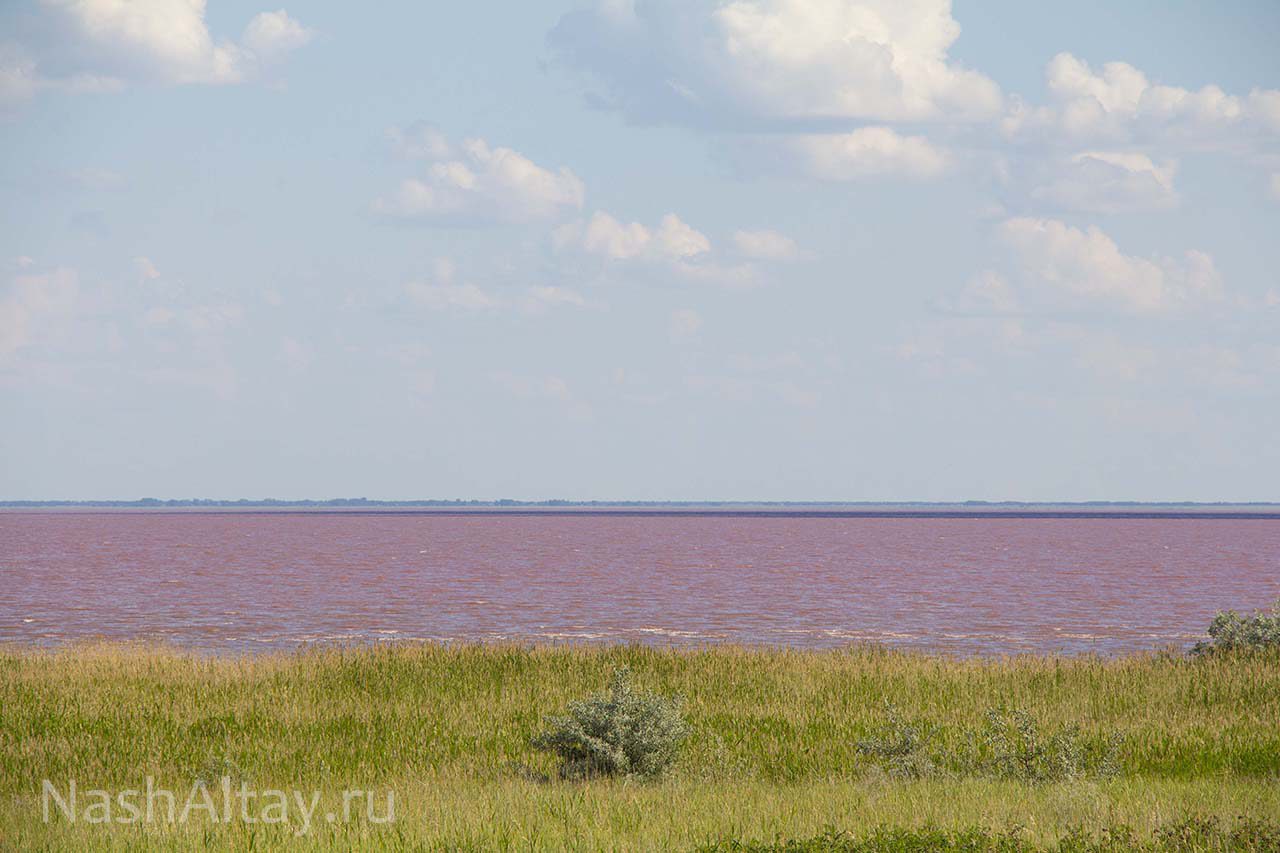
x=30 y=303
x=421 y=140
x=870 y=152
x=1109 y=182
x=271 y=35
x=753 y=61
x=52 y=324
x=443 y=290
x=19 y=79
x=146 y=268
x=988 y=292
x=672 y=247
x=100 y=45
x=1118 y=101
x=1275 y=186
x=765 y=245
x=603 y=235
x=684 y=323
x=211 y=319
x=479 y=184
x=1085 y=268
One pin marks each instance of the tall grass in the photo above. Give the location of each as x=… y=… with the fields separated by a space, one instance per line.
x=773 y=745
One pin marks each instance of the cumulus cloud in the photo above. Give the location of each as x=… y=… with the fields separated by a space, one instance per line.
x=448 y=294
x=443 y=290
x=765 y=245
x=420 y=140
x=271 y=35
x=1075 y=267
x=30 y=303
x=146 y=269
x=672 y=247
x=1108 y=182
x=1117 y=101
x=672 y=239
x=752 y=62
x=986 y=293
x=53 y=324
x=19 y=79
x=869 y=152
x=102 y=45
x=478 y=184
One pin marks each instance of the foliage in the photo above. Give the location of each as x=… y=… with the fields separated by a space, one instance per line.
x=1012 y=746
x=1231 y=632
x=773 y=750
x=902 y=747
x=1018 y=749
x=1195 y=833
x=618 y=733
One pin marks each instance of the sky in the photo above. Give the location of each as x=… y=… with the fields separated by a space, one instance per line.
x=640 y=249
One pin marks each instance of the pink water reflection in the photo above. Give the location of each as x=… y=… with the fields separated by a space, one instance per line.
x=262 y=580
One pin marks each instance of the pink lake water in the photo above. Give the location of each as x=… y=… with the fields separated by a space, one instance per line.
x=246 y=581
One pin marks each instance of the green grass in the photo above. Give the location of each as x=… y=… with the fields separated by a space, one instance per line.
x=773 y=751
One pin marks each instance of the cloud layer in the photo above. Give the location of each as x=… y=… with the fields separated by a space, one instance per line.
x=1070 y=267
x=104 y=45
x=1119 y=102
x=475 y=184
x=751 y=62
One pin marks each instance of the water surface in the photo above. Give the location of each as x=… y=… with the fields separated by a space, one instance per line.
x=246 y=581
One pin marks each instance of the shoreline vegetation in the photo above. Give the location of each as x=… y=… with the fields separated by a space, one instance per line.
x=858 y=749
x=762 y=506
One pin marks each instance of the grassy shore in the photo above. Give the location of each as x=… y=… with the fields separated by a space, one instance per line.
x=773 y=752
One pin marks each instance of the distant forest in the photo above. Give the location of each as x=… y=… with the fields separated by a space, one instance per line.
x=177 y=503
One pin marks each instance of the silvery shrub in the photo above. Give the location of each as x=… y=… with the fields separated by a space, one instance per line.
x=1231 y=632
x=621 y=732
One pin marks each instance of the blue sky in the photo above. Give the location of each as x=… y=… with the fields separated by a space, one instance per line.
x=706 y=249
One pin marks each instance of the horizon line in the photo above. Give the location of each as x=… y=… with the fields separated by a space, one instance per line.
x=566 y=502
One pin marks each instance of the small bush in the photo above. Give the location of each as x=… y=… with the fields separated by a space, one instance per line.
x=1190 y=835
x=1019 y=750
x=902 y=748
x=1010 y=746
x=621 y=732
x=1231 y=632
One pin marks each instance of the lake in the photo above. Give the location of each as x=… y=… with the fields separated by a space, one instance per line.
x=244 y=581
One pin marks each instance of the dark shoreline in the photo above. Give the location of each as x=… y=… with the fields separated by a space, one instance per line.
x=1182 y=512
